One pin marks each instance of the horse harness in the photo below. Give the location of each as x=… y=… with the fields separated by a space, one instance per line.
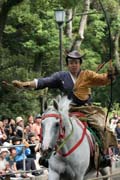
x=62 y=139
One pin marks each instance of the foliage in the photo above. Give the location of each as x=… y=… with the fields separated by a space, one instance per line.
x=71 y=3
x=30 y=49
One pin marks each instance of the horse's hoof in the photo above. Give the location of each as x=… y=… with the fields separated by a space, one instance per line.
x=43 y=162
x=105 y=162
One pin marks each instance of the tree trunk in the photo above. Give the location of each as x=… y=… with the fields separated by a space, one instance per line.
x=83 y=21
x=5 y=8
x=68 y=28
x=117 y=45
x=3 y=18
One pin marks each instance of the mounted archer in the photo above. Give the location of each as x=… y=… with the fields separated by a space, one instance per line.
x=77 y=84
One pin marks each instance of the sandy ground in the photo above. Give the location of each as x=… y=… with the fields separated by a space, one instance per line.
x=92 y=174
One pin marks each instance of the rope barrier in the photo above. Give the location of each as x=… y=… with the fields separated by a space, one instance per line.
x=20 y=145
x=24 y=167
x=20 y=172
x=106 y=176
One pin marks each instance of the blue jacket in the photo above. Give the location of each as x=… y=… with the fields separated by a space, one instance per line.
x=61 y=80
x=20 y=155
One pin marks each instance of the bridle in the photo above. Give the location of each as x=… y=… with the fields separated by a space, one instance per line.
x=62 y=139
x=61 y=129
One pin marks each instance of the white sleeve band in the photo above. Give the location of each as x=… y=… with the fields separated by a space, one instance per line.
x=36 y=82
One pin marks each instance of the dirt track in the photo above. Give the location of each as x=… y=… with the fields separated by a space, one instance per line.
x=92 y=174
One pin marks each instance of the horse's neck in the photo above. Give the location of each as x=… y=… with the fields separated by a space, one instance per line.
x=67 y=122
x=72 y=134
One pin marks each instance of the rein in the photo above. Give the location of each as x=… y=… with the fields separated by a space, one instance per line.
x=78 y=143
x=66 y=138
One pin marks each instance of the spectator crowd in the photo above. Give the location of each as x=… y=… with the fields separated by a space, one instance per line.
x=19 y=143
x=115 y=127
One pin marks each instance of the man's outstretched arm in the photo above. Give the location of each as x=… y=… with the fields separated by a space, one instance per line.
x=26 y=84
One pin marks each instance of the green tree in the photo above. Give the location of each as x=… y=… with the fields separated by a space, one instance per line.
x=29 y=47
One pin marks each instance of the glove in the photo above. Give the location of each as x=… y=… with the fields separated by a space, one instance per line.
x=112 y=73
x=20 y=84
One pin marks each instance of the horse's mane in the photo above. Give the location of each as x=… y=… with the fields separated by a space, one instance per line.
x=60 y=104
x=64 y=104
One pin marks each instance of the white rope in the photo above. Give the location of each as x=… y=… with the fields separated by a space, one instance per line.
x=106 y=176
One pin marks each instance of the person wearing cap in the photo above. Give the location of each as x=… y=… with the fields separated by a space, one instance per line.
x=4 y=165
x=22 y=155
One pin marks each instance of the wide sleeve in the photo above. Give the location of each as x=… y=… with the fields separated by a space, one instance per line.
x=95 y=79
x=54 y=81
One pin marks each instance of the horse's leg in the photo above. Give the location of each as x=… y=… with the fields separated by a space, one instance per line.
x=104 y=172
x=81 y=177
x=53 y=175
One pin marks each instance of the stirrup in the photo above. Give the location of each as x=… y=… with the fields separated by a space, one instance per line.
x=105 y=161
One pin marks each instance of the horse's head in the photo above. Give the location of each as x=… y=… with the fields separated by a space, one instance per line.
x=51 y=128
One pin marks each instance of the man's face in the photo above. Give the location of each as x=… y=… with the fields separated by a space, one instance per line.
x=38 y=120
x=17 y=142
x=13 y=152
x=74 y=66
x=31 y=119
x=5 y=122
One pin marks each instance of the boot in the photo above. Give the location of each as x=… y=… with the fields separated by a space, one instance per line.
x=43 y=161
x=105 y=159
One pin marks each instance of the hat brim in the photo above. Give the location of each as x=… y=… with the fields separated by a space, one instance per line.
x=74 y=57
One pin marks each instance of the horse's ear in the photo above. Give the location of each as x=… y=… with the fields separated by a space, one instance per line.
x=58 y=98
x=55 y=105
x=45 y=106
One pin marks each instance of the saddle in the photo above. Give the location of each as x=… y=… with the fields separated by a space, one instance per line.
x=103 y=139
x=95 y=118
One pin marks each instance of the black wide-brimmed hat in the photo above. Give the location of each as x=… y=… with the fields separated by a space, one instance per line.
x=74 y=55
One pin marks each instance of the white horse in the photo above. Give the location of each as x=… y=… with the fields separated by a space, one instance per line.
x=67 y=138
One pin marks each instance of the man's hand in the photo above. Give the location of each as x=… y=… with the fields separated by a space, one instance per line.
x=20 y=84
x=112 y=73
x=17 y=83
x=26 y=143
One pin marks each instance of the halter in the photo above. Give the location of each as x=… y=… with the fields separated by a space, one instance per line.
x=62 y=134
x=57 y=116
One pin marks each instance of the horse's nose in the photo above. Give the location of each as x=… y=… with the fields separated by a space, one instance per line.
x=46 y=148
x=46 y=152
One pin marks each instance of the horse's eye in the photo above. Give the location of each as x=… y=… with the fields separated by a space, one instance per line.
x=57 y=124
